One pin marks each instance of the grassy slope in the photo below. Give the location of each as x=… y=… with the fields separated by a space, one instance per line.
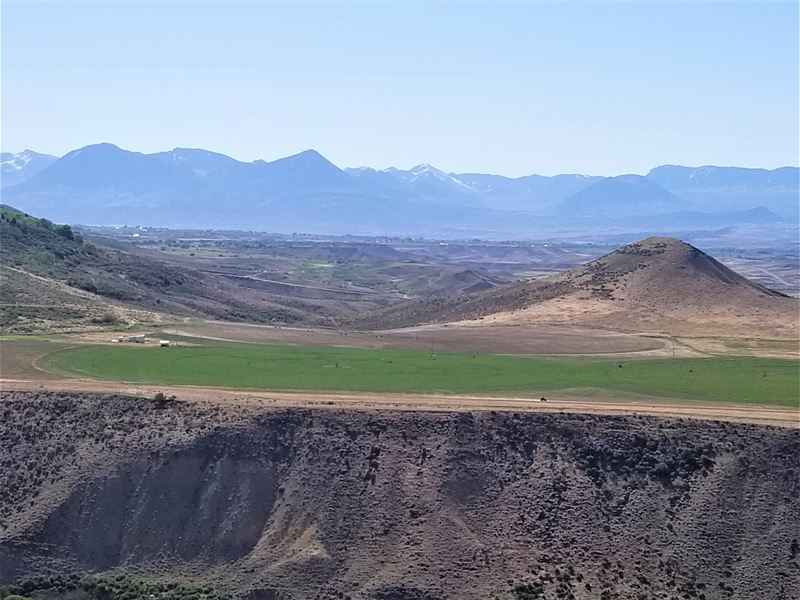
x=736 y=379
x=56 y=253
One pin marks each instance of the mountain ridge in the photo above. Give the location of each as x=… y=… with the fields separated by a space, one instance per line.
x=777 y=173
x=786 y=170
x=103 y=184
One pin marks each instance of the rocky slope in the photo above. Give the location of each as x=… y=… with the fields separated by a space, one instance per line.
x=658 y=285
x=352 y=504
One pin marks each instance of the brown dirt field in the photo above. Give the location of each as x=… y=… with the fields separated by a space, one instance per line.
x=537 y=339
x=17 y=359
x=477 y=336
x=425 y=402
x=743 y=347
x=754 y=321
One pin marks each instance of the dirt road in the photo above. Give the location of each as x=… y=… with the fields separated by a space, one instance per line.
x=422 y=402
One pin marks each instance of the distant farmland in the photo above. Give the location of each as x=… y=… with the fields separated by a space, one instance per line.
x=247 y=366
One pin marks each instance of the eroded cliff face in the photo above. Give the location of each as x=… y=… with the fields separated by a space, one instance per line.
x=210 y=500
x=330 y=504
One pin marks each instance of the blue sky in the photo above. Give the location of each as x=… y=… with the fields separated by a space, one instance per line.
x=517 y=88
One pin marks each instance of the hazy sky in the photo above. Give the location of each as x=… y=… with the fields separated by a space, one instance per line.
x=518 y=88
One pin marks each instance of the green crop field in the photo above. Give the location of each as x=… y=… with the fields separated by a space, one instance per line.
x=733 y=379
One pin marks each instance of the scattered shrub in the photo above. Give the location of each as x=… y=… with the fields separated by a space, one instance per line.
x=108 y=318
x=162 y=401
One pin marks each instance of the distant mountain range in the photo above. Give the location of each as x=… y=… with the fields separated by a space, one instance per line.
x=105 y=185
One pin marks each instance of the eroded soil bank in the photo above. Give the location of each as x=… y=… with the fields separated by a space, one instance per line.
x=328 y=503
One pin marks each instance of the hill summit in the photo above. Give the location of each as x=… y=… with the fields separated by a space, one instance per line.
x=656 y=285
x=660 y=269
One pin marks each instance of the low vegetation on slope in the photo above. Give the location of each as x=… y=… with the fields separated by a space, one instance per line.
x=328 y=504
x=55 y=252
x=657 y=285
x=734 y=379
x=93 y=587
x=35 y=259
x=37 y=254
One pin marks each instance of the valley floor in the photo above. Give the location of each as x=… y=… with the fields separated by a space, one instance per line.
x=403 y=359
x=668 y=470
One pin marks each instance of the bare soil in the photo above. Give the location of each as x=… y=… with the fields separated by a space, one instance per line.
x=659 y=285
x=303 y=503
x=601 y=404
x=536 y=339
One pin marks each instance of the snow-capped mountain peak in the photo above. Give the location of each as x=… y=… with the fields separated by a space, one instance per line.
x=426 y=171
x=16 y=167
x=425 y=174
x=17 y=161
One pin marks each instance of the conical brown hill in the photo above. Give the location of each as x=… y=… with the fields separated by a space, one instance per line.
x=662 y=269
x=659 y=285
